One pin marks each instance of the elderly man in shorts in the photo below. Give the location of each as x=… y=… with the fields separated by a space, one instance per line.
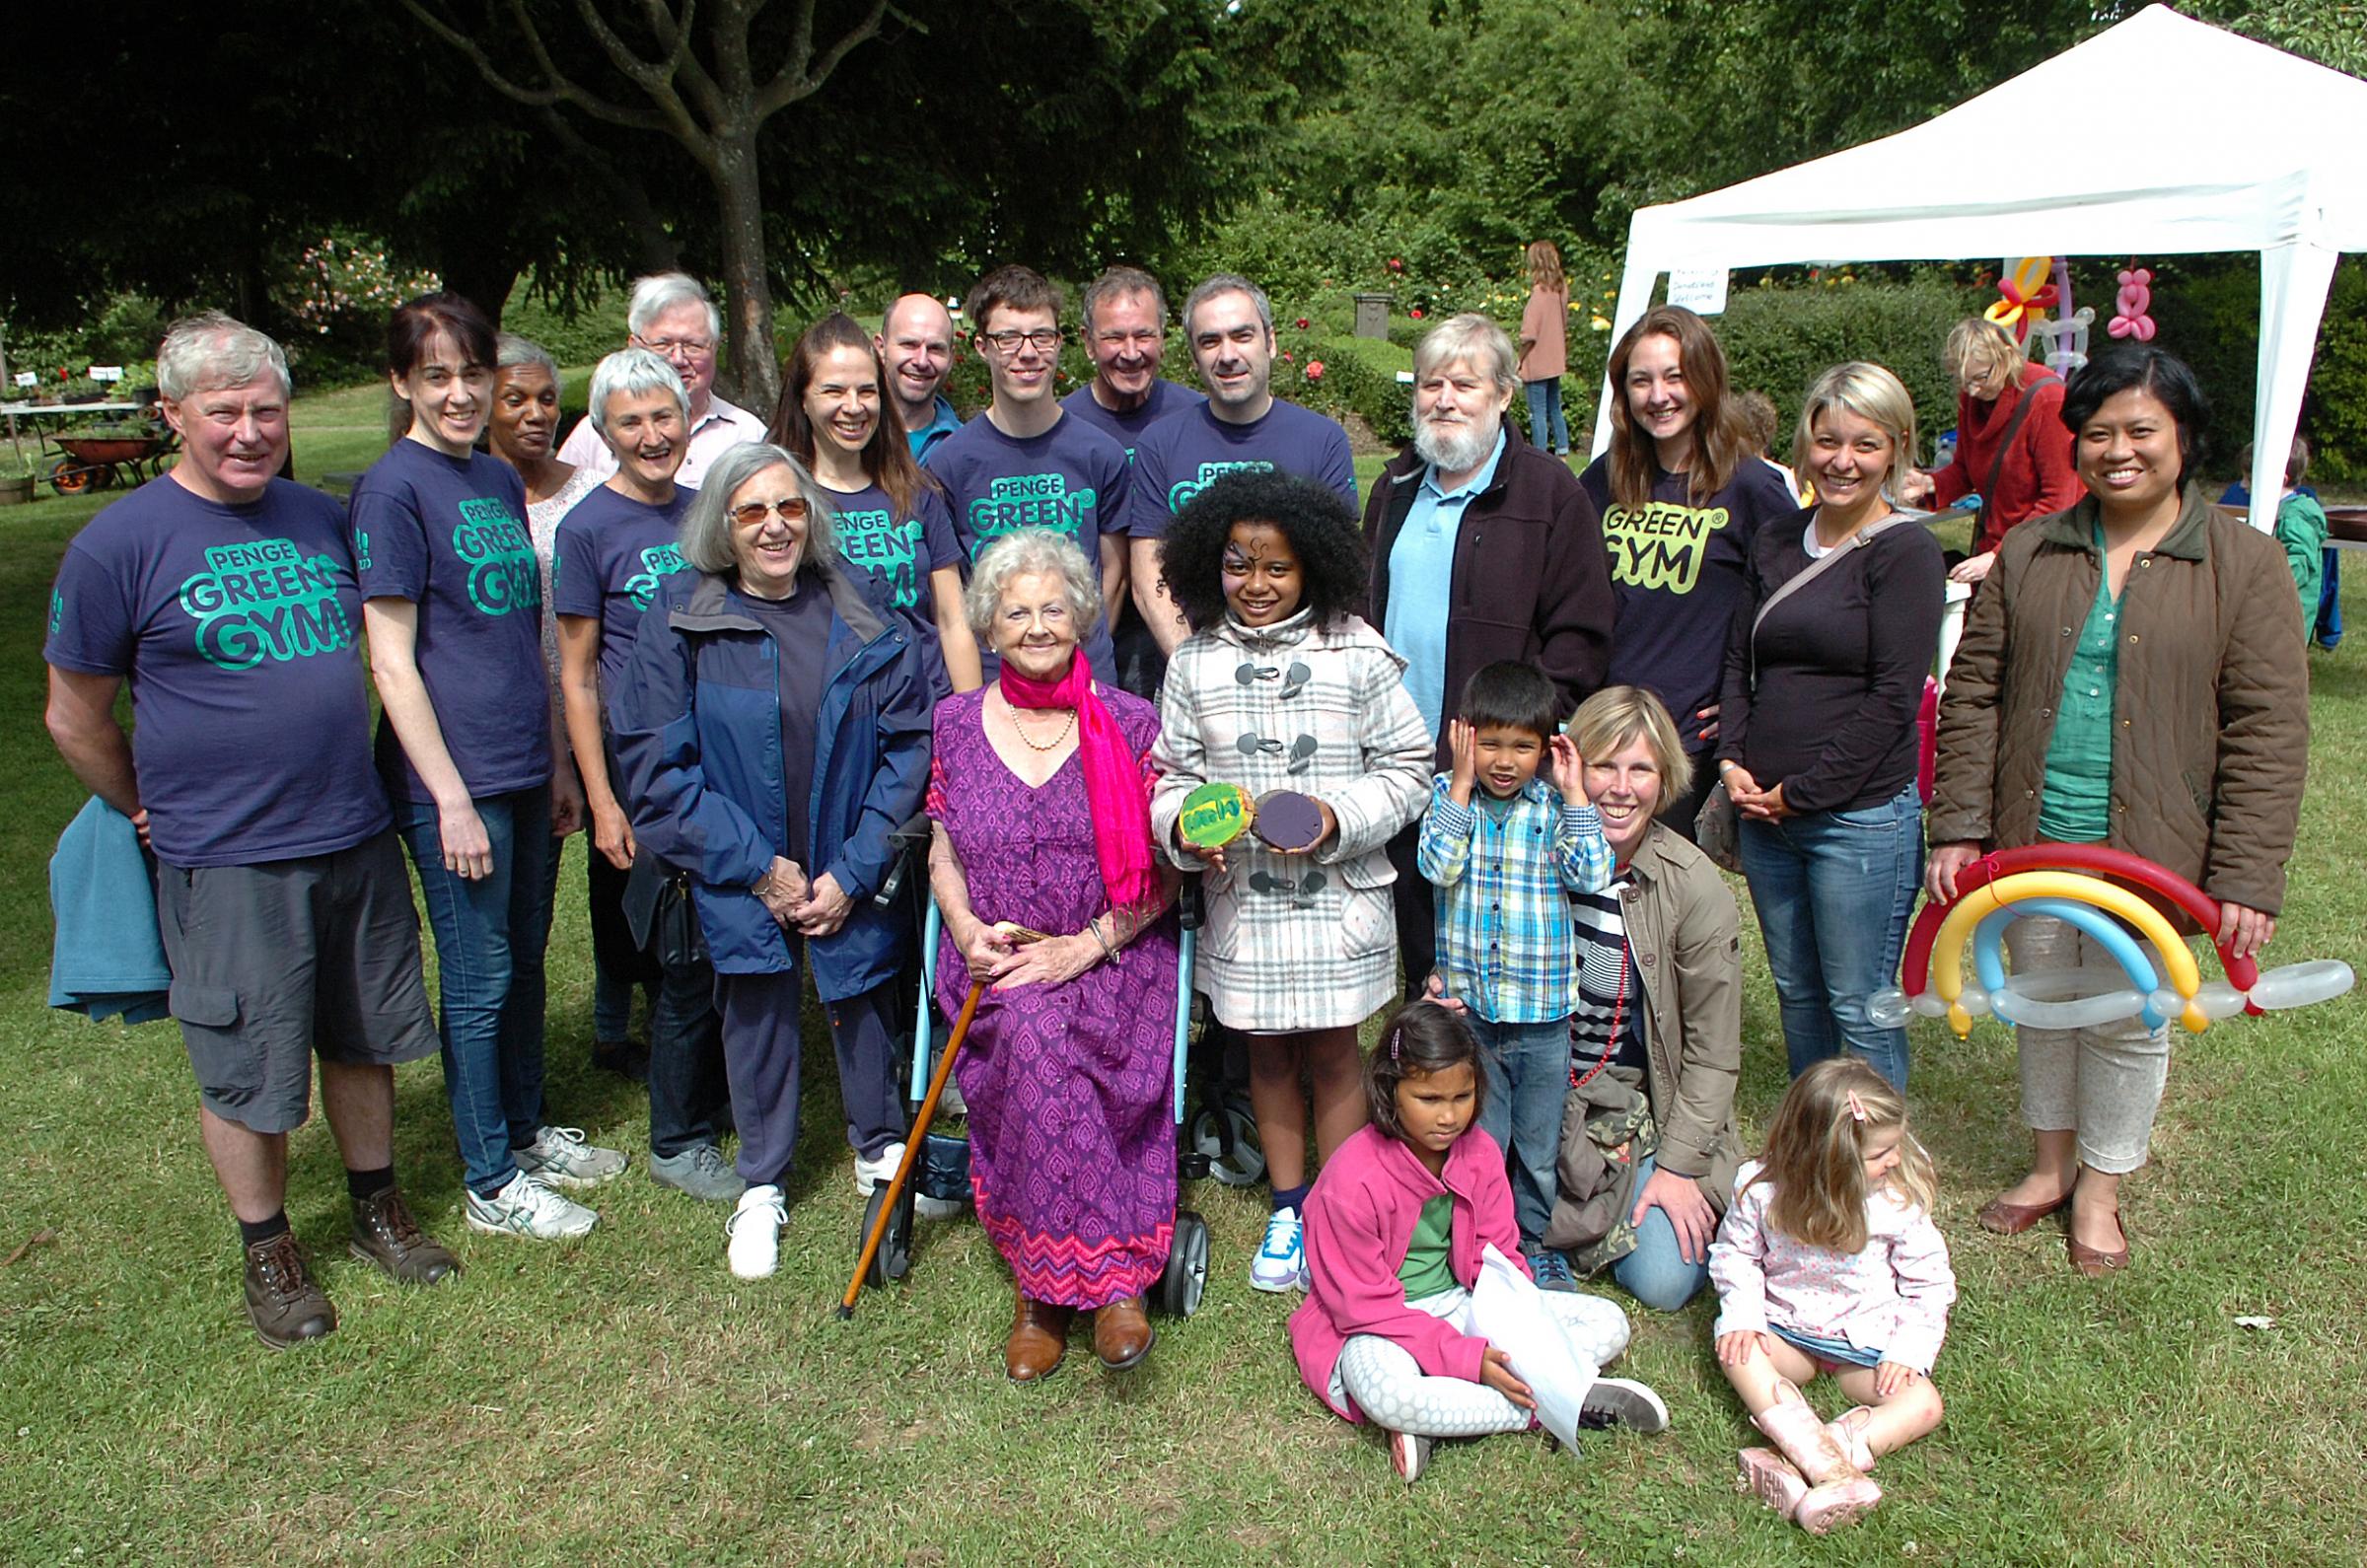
x=227 y=598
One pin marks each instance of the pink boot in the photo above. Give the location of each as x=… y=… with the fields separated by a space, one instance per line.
x=1838 y=1491
x=1769 y=1476
x=1848 y=1429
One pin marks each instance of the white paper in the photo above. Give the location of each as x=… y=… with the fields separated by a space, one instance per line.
x=1701 y=290
x=1510 y=1313
x=106 y=373
x=26 y=378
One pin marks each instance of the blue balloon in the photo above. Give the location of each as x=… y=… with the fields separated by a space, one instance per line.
x=2110 y=934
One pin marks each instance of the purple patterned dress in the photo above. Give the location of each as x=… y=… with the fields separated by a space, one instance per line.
x=1072 y=1133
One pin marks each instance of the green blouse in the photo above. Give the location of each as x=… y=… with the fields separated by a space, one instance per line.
x=2075 y=802
x=1427 y=1271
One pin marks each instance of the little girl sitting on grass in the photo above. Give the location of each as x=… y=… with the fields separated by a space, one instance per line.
x=1828 y=1261
x=1395 y=1226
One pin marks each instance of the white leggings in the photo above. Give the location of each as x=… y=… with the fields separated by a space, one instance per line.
x=1385 y=1382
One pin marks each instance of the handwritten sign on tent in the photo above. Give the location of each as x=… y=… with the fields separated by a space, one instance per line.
x=1701 y=290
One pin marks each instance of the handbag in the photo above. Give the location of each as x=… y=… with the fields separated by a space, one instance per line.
x=659 y=913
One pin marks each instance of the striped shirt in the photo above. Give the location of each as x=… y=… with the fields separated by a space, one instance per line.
x=1504 y=880
x=1605 y=969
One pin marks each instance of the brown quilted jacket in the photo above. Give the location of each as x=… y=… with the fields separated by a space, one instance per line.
x=2211 y=718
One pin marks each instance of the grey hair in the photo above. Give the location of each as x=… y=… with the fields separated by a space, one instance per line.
x=707 y=522
x=1016 y=554
x=660 y=292
x=1228 y=283
x=514 y=352
x=1467 y=337
x=1116 y=284
x=210 y=351
x=634 y=371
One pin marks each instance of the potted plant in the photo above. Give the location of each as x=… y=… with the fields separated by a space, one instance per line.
x=15 y=478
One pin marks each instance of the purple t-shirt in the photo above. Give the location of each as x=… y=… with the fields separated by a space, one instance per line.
x=899 y=554
x=448 y=535
x=1167 y=397
x=612 y=554
x=1177 y=458
x=1678 y=572
x=239 y=628
x=1071 y=480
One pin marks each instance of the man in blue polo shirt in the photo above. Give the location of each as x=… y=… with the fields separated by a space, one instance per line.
x=1025 y=463
x=916 y=340
x=227 y=598
x=1230 y=325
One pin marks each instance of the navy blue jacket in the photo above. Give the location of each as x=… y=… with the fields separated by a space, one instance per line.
x=696 y=720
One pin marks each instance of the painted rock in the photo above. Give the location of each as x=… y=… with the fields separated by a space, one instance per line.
x=1288 y=821
x=1215 y=815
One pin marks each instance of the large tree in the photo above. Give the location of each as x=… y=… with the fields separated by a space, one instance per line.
x=706 y=77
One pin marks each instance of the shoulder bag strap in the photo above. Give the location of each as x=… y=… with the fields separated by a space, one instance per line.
x=1988 y=491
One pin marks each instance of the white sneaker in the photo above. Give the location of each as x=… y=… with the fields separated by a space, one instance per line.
x=1282 y=1263
x=1408 y=1456
x=1622 y=1401
x=559 y=1157
x=526 y=1207
x=752 y=1237
x=877 y=1172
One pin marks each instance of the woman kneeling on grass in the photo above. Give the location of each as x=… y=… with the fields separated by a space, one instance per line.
x=1395 y=1227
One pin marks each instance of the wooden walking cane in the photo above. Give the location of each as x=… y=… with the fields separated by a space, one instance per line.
x=912 y=1146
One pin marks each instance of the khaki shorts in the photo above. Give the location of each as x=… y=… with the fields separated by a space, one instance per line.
x=274 y=964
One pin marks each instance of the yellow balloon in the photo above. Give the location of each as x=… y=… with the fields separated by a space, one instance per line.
x=1948 y=947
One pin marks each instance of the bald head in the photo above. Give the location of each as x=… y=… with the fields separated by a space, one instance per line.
x=916 y=339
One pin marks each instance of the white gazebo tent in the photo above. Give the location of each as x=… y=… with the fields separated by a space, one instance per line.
x=2158 y=136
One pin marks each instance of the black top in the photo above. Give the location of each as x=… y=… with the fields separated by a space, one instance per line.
x=799 y=626
x=1840 y=666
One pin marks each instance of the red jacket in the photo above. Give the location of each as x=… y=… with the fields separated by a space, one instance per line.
x=2038 y=479
x=1360 y=1221
x=1531 y=580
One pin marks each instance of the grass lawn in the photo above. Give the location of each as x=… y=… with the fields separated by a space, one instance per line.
x=624 y=1401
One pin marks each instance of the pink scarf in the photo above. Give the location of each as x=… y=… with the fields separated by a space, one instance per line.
x=1121 y=823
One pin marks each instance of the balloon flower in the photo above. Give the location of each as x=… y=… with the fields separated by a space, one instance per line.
x=2090 y=887
x=2026 y=293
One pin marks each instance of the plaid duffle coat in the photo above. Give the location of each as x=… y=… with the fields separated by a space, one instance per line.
x=1295 y=942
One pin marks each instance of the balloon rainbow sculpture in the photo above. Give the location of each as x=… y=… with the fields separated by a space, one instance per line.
x=2089 y=887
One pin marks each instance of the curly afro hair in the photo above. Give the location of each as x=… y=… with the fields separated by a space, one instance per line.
x=1322 y=531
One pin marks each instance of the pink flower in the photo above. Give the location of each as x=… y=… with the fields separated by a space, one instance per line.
x=1314 y=370
x=1396 y=264
x=1286 y=353
x=1415 y=313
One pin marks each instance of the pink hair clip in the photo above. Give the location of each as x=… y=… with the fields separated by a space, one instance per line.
x=1857 y=1109
x=1394 y=1036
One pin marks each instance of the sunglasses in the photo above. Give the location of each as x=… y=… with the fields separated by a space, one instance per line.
x=749 y=514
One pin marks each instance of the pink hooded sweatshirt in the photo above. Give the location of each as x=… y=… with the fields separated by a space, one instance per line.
x=1360 y=1221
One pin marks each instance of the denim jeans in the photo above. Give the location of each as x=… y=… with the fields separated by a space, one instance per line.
x=1528 y=1067
x=2328 y=619
x=1544 y=412
x=1832 y=891
x=1656 y=1273
x=491 y=935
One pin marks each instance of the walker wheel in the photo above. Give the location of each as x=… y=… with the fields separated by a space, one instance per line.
x=1187 y=1274
x=1229 y=1138
x=894 y=1256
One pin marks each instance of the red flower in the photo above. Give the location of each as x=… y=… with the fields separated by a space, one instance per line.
x=1286 y=353
x=1415 y=313
x=1302 y=324
x=1314 y=370
x=1395 y=265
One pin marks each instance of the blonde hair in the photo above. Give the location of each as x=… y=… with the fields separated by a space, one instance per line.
x=1977 y=344
x=1875 y=395
x=1815 y=1155
x=1616 y=718
x=1544 y=266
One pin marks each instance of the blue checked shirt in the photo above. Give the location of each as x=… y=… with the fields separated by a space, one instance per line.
x=1505 y=943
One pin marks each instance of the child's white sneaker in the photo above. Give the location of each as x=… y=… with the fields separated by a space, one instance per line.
x=1281 y=1262
x=1408 y=1456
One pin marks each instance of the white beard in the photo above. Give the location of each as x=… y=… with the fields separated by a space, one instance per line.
x=1454 y=449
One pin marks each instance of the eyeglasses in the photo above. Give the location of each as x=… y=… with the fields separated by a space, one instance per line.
x=748 y=514
x=1301 y=750
x=693 y=347
x=1294 y=681
x=1043 y=341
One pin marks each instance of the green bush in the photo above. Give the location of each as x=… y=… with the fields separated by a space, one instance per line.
x=2335 y=413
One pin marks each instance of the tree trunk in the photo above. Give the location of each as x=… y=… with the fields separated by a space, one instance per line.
x=753 y=365
x=481 y=273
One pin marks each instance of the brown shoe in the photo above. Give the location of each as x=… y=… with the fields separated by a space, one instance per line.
x=1121 y=1333
x=1039 y=1339
x=2094 y=1263
x=2012 y=1219
x=385 y=1233
x=285 y=1304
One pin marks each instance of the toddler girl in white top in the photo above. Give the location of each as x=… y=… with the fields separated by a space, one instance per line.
x=1827 y=1261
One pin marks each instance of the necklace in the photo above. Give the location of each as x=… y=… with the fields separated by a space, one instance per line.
x=1052 y=745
